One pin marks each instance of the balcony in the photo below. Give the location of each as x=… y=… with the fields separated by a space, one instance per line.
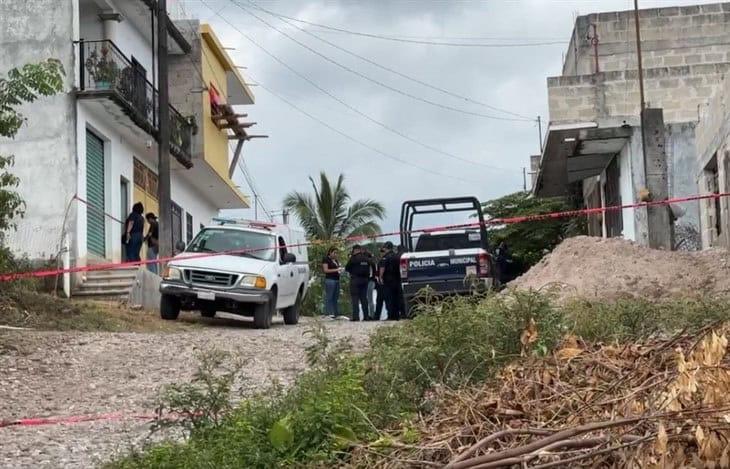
x=106 y=73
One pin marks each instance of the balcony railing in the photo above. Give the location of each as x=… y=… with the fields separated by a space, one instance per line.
x=106 y=71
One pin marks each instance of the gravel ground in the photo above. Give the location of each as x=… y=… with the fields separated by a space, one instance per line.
x=80 y=373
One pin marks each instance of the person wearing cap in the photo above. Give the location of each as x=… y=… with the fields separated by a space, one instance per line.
x=153 y=241
x=389 y=271
x=360 y=269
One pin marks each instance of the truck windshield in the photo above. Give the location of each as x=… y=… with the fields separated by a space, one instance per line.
x=446 y=241
x=237 y=242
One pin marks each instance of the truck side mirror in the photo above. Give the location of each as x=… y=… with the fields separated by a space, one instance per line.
x=289 y=258
x=180 y=246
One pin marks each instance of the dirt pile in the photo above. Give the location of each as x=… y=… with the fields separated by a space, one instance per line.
x=612 y=268
x=662 y=403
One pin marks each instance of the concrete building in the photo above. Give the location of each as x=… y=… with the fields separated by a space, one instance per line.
x=594 y=148
x=86 y=155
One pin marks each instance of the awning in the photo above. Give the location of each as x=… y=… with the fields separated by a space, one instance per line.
x=574 y=152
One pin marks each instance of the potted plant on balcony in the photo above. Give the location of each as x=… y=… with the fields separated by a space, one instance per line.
x=102 y=68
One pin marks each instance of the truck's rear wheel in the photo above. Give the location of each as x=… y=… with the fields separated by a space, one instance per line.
x=169 y=307
x=291 y=314
x=263 y=314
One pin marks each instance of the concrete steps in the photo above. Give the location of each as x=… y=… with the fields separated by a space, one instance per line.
x=107 y=284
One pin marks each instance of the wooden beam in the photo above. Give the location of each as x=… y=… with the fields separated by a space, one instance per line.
x=227 y=116
x=236 y=155
x=249 y=137
x=233 y=125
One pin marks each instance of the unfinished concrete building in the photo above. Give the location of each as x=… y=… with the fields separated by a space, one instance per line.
x=594 y=147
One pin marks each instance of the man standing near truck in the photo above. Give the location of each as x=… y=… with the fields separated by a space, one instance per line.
x=389 y=269
x=360 y=269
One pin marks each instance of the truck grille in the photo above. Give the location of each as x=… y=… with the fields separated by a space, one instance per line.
x=216 y=279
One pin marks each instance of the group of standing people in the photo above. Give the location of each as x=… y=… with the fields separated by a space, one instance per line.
x=133 y=237
x=368 y=278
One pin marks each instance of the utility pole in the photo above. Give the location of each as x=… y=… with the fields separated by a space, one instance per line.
x=163 y=125
x=285 y=216
x=524 y=178
x=255 y=206
x=539 y=132
x=638 y=54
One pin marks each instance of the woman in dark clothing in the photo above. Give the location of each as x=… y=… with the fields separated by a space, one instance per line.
x=134 y=232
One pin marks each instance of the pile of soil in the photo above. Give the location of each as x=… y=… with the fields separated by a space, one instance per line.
x=590 y=267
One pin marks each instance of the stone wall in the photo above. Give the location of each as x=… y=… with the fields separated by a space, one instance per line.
x=670 y=37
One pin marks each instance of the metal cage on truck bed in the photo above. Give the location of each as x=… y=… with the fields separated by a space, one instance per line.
x=411 y=208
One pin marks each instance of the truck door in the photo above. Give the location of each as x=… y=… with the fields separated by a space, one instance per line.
x=287 y=276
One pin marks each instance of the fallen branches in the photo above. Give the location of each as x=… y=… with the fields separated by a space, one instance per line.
x=661 y=403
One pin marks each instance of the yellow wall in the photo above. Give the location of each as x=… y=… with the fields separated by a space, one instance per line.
x=215 y=141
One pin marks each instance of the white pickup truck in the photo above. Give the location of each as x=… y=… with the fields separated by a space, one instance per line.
x=255 y=269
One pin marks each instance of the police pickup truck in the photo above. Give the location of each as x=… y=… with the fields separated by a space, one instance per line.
x=243 y=267
x=450 y=262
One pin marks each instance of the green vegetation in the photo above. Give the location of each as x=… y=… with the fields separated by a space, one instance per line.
x=374 y=398
x=330 y=214
x=530 y=241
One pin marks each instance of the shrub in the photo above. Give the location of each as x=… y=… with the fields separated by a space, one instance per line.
x=455 y=343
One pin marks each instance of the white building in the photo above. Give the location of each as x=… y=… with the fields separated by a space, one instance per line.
x=86 y=155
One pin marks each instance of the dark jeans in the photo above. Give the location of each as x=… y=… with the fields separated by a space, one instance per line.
x=393 y=300
x=379 y=300
x=331 y=297
x=359 y=294
x=134 y=246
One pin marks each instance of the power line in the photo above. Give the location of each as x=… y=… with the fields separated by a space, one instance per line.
x=360 y=142
x=353 y=71
x=383 y=67
x=367 y=116
x=418 y=41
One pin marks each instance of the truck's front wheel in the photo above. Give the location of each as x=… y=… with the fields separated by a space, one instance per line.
x=291 y=314
x=263 y=314
x=169 y=307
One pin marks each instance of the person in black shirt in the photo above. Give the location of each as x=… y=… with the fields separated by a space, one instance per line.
x=360 y=269
x=389 y=269
x=331 y=269
x=134 y=232
x=153 y=241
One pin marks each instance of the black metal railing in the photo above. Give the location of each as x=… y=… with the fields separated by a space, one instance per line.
x=181 y=137
x=104 y=69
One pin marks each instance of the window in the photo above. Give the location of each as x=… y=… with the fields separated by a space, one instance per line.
x=242 y=243
x=188 y=228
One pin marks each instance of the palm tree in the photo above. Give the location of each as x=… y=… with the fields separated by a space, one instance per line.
x=329 y=214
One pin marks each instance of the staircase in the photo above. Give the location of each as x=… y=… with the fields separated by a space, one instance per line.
x=113 y=284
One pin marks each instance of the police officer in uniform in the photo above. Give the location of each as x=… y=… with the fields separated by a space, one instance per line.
x=389 y=269
x=359 y=267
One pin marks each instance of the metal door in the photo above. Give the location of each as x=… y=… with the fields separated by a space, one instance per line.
x=95 y=226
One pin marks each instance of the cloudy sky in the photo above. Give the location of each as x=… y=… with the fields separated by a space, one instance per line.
x=485 y=155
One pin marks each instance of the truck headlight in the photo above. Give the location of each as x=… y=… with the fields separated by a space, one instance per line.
x=254 y=281
x=172 y=273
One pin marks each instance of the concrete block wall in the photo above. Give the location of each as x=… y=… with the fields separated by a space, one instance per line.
x=184 y=78
x=670 y=37
x=714 y=123
x=680 y=91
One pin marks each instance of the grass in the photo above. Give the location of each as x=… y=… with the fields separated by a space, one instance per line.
x=373 y=398
x=21 y=306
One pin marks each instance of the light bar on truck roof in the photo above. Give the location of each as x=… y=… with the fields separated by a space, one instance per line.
x=241 y=222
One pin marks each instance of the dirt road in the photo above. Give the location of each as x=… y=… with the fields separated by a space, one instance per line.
x=79 y=373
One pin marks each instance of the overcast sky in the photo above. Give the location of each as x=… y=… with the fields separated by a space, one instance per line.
x=510 y=78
